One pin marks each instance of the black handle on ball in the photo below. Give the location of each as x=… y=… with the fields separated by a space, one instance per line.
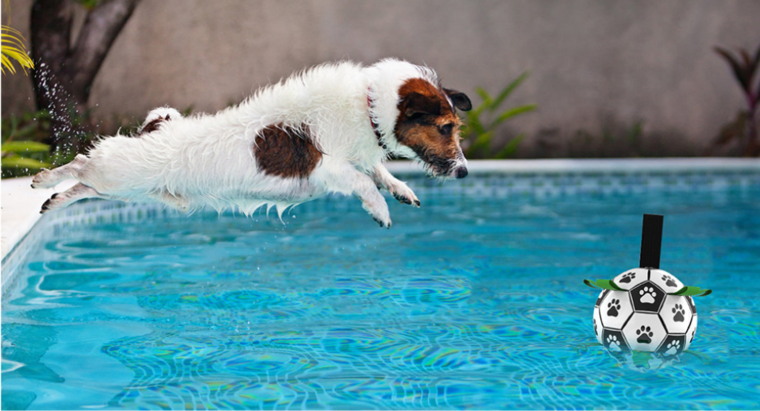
x=651 y=241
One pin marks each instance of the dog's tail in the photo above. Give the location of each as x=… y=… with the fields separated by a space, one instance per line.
x=156 y=117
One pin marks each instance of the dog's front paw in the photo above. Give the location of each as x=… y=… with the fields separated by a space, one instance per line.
x=383 y=224
x=379 y=211
x=404 y=194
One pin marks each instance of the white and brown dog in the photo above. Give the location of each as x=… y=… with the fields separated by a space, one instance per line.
x=327 y=129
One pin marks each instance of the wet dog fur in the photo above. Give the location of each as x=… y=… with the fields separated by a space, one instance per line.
x=326 y=129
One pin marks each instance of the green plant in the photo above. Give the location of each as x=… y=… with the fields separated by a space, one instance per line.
x=13 y=155
x=481 y=123
x=745 y=126
x=23 y=153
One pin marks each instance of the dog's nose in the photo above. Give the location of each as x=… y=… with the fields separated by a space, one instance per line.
x=461 y=172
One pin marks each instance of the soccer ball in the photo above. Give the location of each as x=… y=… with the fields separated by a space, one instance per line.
x=645 y=317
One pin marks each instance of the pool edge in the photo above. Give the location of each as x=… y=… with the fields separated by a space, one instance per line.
x=20 y=203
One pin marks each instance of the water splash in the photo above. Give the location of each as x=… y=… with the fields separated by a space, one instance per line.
x=66 y=134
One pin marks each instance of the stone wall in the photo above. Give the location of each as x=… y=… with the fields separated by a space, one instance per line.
x=598 y=68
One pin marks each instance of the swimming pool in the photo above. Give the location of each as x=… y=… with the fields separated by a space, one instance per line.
x=475 y=300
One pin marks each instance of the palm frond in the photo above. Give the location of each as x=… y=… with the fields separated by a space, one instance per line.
x=13 y=49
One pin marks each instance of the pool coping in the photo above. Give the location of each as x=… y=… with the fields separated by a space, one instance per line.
x=20 y=204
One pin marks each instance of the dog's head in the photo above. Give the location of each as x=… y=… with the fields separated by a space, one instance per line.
x=428 y=125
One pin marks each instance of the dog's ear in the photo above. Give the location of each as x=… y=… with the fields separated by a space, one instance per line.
x=416 y=103
x=460 y=100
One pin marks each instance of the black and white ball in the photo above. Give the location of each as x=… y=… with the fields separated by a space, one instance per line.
x=644 y=317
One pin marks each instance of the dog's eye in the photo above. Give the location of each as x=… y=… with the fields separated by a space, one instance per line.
x=446 y=129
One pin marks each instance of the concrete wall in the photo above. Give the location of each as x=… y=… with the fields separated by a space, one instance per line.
x=595 y=64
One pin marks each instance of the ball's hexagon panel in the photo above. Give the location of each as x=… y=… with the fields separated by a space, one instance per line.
x=598 y=325
x=631 y=278
x=644 y=332
x=672 y=345
x=647 y=297
x=615 y=309
x=614 y=342
x=691 y=332
x=601 y=297
x=676 y=314
x=666 y=281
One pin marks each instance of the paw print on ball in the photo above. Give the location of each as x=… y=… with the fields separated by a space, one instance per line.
x=631 y=278
x=647 y=297
x=613 y=307
x=678 y=312
x=627 y=277
x=665 y=280
x=613 y=343
x=615 y=310
x=672 y=347
x=669 y=281
x=645 y=334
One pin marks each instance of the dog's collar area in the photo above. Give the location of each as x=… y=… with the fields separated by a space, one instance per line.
x=375 y=127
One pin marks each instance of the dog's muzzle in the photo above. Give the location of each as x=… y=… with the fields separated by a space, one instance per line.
x=459 y=169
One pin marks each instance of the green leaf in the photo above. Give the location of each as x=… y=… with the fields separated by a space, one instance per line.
x=510 y=149
x=89 y=4
x=484 y=138
x=508 y=90
x=25 y=131
x=603 y=284
x=475 y=126
x=513 y=112
x=635 y=132
x=22 y=162
x=482 y=141
x=484 y=95
x=25 y=147
x=692 y=292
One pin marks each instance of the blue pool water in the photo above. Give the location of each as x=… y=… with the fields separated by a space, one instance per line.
x=468 y=302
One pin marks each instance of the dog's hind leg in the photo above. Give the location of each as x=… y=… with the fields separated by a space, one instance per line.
x=60 y=200
x=50 y=178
